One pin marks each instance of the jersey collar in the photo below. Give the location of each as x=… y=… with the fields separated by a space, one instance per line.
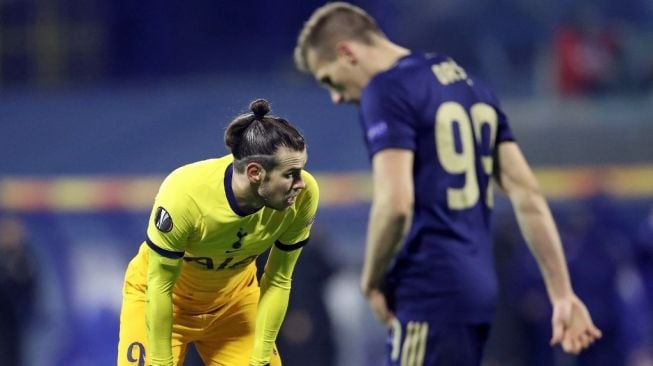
x=231 y=197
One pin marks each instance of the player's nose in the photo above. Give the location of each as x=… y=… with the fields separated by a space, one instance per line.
x=299 y=184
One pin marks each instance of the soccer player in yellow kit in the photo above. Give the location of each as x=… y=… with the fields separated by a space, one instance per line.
x=194 y=278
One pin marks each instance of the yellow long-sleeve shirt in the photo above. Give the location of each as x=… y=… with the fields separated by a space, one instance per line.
x=201 y=249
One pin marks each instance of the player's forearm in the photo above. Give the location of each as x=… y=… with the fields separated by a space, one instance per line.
x=159 y=325
x=386 y=230
x=539 y=230
x=272 y=307
x=275 y=292
x=162 y=274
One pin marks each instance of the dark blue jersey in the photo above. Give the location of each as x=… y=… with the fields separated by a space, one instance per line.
x=452 y=123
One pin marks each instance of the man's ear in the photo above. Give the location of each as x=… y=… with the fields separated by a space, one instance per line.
x=346 y=49
x=255 y=172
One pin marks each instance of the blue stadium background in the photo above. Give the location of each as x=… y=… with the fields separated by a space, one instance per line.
x=100 y=99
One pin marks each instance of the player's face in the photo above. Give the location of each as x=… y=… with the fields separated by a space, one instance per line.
x=281 y=185
x=339 y=76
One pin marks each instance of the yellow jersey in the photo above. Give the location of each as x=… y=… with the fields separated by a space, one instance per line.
x=195 y=217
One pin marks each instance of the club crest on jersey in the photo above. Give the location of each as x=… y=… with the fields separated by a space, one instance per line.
x=163 y=220
x=237 y=245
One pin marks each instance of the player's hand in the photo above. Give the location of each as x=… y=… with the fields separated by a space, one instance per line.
x=572 y=324
x=379 y=306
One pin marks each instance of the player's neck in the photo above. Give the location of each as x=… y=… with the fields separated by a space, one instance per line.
x=246 y=198
x=384 y=55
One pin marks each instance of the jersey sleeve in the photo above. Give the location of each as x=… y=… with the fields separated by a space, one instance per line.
x=161 y=276
x=297 y=234
x=387 y=117
x=504 y=133
x=275 y=292
x=173 y=219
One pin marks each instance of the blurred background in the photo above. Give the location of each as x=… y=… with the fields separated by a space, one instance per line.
x=100 y=99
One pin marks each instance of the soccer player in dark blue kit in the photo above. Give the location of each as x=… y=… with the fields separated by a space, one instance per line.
x=436 y=138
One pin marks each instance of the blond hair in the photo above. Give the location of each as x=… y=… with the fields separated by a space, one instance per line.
x=330 y=24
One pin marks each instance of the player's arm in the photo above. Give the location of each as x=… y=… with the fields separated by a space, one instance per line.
x=572 y=324
x=391 y=135
x=172 y=222
x=390 y=216
x=534 y=218
x=275 y=292
x=162 y=273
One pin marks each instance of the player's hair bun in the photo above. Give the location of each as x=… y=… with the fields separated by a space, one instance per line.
x=256 y=133
x=260 y=107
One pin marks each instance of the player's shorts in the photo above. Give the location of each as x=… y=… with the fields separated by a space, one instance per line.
x=417 y=340
x=224 y=337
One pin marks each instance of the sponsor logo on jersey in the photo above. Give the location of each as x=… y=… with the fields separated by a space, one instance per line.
x=163 y=220
x=207 y=263
x=377 y=130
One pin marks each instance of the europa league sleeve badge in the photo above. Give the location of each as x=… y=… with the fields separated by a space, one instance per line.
x=163 y=220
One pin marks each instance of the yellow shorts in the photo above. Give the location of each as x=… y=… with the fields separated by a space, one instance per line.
x=224 y=337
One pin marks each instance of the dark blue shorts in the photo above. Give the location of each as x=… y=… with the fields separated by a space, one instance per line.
x=416 y=341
